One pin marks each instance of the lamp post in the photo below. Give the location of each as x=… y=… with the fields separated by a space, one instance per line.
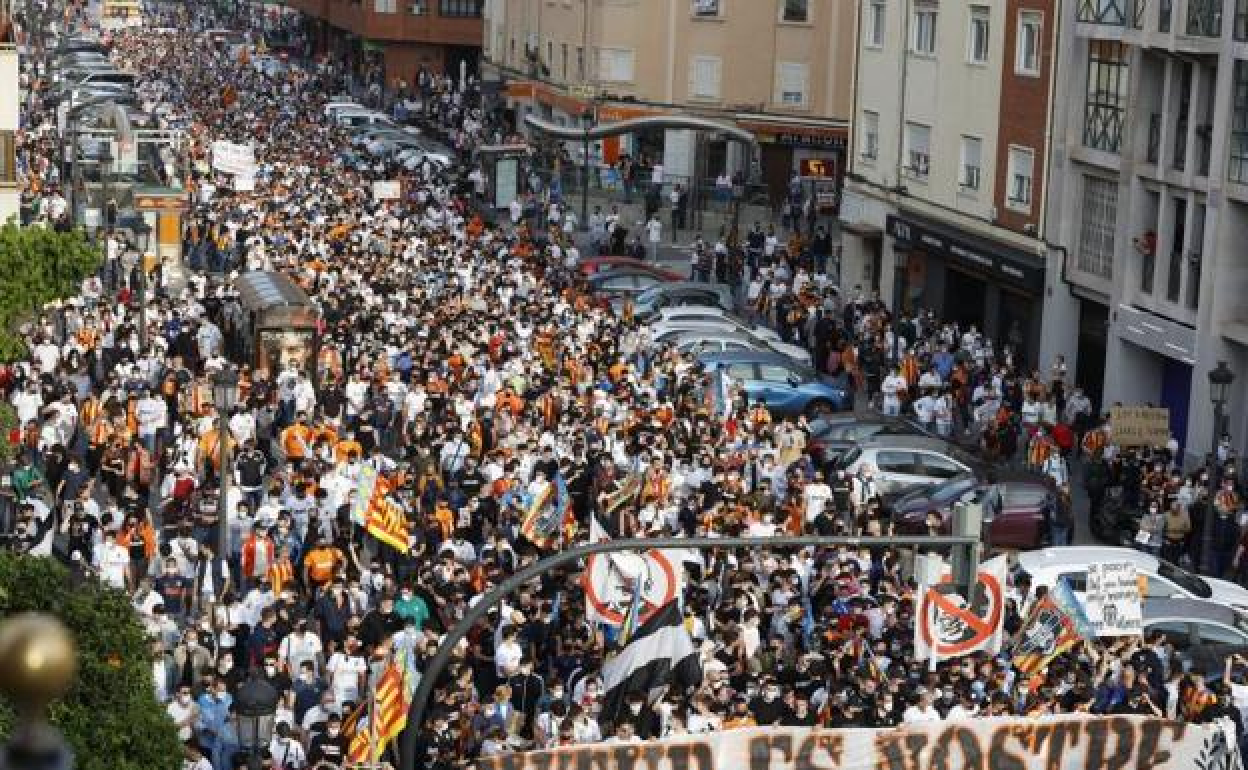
x=587 y=122
x=143 y=239
x=38 y=662
x=224 y=396
x=254 y=709
x=1220 y=379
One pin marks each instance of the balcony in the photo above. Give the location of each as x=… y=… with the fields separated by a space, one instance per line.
x=1111 y=12
x=1204 y=18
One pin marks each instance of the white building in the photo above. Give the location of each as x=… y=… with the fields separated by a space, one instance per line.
x=1148 y=286
x=10 y=197
x=943 y=206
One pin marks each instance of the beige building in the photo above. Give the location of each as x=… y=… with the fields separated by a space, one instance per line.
x=781 y=68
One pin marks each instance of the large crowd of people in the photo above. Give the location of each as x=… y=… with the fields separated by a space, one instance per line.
x=464 y=363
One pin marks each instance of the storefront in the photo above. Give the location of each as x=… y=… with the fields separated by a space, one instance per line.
x=971 y=280
x=786 y=144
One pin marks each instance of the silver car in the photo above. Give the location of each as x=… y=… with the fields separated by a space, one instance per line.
x=698 y=342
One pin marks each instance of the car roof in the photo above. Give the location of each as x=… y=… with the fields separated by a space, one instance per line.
x=746 y=357
x=619 y=271
x=1188 y=609
x=906 y=442
x=712 y=288
x=1061 y=557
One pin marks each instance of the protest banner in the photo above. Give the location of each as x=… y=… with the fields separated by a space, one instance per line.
x=231 y=158
x=1112 y=599
x=1057 y=743
x=948 y=625
x=387 y=190
x=1139 y=426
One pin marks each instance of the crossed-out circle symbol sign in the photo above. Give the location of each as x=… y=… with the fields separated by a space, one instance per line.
x=609 y=592
x=961 y=628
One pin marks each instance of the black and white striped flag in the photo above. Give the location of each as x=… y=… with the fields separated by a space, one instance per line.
x=658 y=657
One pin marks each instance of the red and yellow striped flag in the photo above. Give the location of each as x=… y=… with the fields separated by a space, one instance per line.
x=392 y=705
x=386 y=522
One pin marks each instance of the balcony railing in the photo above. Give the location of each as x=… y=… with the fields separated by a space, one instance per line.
x=1103 y=12
x=970 y=177
x=1204 y=18
x=1153 y=152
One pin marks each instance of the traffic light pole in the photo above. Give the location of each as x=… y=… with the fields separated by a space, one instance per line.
x=964 y=548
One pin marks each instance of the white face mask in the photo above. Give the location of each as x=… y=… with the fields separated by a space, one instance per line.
x=333 y=732
x=635 y=708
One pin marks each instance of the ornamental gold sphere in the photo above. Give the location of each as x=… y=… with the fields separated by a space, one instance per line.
x=37 y=659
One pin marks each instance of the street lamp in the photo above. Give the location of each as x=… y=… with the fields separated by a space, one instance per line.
x=143 y=240
x=224 y=396
x=1220 y=379
x=254 y=709
x=587 y=123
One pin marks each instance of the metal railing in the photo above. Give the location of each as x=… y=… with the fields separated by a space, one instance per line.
x=1204 y=18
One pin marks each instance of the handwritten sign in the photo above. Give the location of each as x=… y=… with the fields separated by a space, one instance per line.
x=1140 y=425
x=1112 y=600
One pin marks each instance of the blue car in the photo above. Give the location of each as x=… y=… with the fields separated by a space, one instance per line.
x=785 y=386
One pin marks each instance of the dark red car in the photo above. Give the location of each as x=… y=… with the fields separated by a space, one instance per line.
x=595 y=265
x=1021 y=505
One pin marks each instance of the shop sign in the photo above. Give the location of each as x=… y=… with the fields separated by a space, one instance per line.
x=996 y=264
x=821 y=168
x=794 y=139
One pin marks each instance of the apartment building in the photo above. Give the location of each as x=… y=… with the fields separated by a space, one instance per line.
x=1150 y=206
x=400 y=36
x=10 y=195
x=944 y=206
x=780 y=68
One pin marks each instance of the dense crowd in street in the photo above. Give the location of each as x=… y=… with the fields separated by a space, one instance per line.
x=464 y=365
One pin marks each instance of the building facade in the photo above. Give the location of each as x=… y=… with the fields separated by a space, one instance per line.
x=1149 y=280
x=780 y=68
x=401 y=37
x=944 y=206
x=10 y=195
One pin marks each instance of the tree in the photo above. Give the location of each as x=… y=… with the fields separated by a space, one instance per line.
x=38 y=265
x=110 y=716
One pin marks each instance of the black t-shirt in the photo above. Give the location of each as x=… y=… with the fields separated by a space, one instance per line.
x=326 y=749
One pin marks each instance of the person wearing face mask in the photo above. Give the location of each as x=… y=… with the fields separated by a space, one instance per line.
x=214 y=710
x=288 y=753
x=329 y=746
x=527 y=688
x=184 y=712
x=768 y=708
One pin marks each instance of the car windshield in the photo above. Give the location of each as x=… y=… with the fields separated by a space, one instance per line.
x=648 y=296
x=1193 y=584
x=939 y=494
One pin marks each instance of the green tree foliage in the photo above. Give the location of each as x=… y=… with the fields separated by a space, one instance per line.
x=110 y=716
x=8 y=421
x=38 y=265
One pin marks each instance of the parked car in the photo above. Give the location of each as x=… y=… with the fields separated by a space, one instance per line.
x=1162 y=579
x=673 y=322
x=834 y=435
x=714 y=341
x=786 y=387
x=622 y=282
x=683 y=294
x=1019 y=503
x=1204 y=633
x=901 y=463
x=593 y=265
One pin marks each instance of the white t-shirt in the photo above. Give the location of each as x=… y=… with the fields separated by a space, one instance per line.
x=817 y=495
x=916 y=715
x=112 y=561
x=344 y=671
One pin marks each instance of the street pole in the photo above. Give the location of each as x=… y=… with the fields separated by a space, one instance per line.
x=965 y=544
x=223 y=459
x=1206 y=534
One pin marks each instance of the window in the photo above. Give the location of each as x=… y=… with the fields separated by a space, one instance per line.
x=1240 y=30
x=1194 y=256
x=969 y=160
x=796 y=11
x=615 y=65
x=1215 y=633
x=1237 y=169
x=923 y=37
x=1027 y=55
x=1103 y=12
x=937 y=467
x=550 y=54
x=1096 y=231
x=1174 y=276
x=1020 y=169
x=1078 y=581
x=580 y=64
x=791 y=80
x=461 y=8
x=874 y=27
x=8 y=159
x=1106 y=95
x=417 y=7
x=704 y=74
x=870 y=142
x=977 y=36
x=918 y=149
x=743 y=372
x=1176 y=632
x=386 y=6
x=895 y=462
x=565 y=61
x=772 y=373
x=706 y=8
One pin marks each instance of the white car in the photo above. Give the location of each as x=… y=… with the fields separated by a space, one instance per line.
x=713 y=341
x=1163 y=580
x=676 y=319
